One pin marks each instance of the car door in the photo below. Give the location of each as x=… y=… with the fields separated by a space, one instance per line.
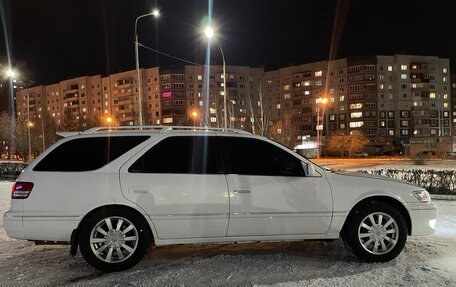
x=270 y=193
x=181 y=184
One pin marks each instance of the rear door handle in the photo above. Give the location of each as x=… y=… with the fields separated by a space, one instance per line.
x=242 y=191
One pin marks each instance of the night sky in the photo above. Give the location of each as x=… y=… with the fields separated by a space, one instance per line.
x=56 y=40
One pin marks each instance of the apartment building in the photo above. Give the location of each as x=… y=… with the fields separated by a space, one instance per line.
x=453 y=107
x=77 y=103
x=9 y=87
x=400 y=102
x=173 y=98
x=243 y=86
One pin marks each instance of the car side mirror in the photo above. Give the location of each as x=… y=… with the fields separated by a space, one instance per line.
x=309 y=169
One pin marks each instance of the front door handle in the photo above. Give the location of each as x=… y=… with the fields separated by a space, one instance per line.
x=242 y=191
x=139 y=190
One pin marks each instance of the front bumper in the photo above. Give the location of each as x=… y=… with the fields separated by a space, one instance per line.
x=424 y=217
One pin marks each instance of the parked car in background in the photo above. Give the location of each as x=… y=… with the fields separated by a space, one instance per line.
x=426 y=153
x=450 y=154
x=112 y=192
x=393 y=152
x=361 y=154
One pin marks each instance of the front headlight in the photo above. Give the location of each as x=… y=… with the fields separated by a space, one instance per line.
x=422 y=195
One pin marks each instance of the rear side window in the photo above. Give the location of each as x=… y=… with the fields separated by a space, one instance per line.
x=181 y=154
x=86 y=154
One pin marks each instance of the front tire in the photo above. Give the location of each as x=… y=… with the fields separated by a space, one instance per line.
x=114 y=240
x=375 y=232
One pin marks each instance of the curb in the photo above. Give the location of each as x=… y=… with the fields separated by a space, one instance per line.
x=443 y=196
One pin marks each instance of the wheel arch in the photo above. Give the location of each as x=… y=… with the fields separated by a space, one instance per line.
x=387 y=199
x=100 y=209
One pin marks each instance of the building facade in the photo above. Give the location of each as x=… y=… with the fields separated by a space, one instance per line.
x=243 y=86
x=402 y=103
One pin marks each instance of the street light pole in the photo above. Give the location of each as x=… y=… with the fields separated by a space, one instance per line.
x=42 y=133
x=28 y=128
x=318 y=132
x=209 y=32
x=322 y=101
x=154 y=13
x=225 y=117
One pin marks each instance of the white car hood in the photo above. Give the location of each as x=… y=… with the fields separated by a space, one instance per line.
x=373 y=176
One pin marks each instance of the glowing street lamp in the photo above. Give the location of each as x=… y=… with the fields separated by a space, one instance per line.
x=10 y=73
x=194 y=115
x=109 y=121
x=209 y=32
x=155 y=13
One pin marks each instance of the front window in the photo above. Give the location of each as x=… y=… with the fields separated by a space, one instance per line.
x=246 y=156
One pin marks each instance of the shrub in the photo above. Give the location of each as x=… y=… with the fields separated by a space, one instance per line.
x=11 y=169
x=435 y=181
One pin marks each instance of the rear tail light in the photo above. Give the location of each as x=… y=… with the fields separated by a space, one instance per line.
x=21 y=190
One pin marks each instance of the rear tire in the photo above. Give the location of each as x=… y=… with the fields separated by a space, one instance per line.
x=375 y=232
x=114 y=240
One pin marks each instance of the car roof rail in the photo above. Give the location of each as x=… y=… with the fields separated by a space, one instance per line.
x=160 y=129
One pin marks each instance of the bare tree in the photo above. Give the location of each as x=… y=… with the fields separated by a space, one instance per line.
x=260 y=111
x=346 y=144
x=281 y=130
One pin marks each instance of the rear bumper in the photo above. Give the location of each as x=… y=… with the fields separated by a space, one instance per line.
x=39 y=228
x=13 y=225
x=424 y=217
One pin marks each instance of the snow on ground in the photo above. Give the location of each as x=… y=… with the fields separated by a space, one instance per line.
x=425 y=261
x=428 y=164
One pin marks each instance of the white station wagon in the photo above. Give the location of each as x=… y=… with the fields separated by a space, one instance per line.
x=113 y=192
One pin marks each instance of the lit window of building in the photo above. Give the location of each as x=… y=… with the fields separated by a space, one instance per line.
x=278 y=106
x=341 y=98
x=432 y=95
x=404 y=67
x=356 y=106
x=444 y=70
x=286 y=87
x=356 y=124
x=167 y=120
x=445 y=105
x=403 y=76
x=287 y=96
x=318 y=73
x=356 y=115
x=390 y=68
